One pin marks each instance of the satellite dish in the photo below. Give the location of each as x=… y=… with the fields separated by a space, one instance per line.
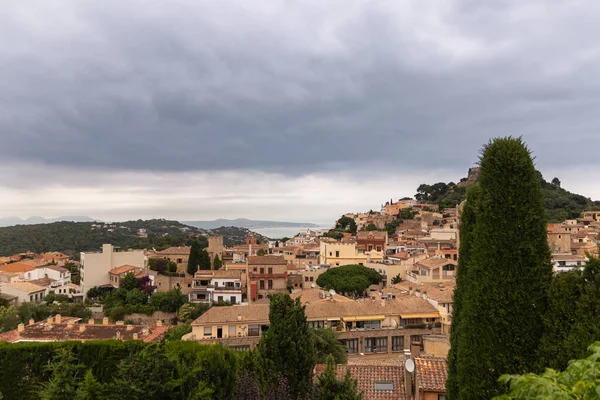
x=332 y=292
x=410 y=365
x=312 y=285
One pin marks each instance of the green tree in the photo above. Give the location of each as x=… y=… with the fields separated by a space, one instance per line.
x=217 y=263
x=327 y=344
x=90 y=388
x=581 y=381
x=204 y=260
x=128 y=282
x=508 y=272
x=189 y=312
x=349 y=279
x=261 y=252
x=177 y=332
x=396 y=279
x=330 y=388
x=172 y=266
x=65 y=372
x=136 y=297
x=371 y=227
x=9 y=319
x=194 y=259
x=94 y=293
x=169 y=301
x=288 y=343
x=347 y=224
x=158 y=264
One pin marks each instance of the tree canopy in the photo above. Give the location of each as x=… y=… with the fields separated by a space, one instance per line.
x=349 y=279
x=507 y=272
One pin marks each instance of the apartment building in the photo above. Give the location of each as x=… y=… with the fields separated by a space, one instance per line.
x=218 y=285
x=177 y=254
x=95 y=267
x=24 y=292
x=346 y=252
x=267 y=274
x=385 y=323
x=432 y=270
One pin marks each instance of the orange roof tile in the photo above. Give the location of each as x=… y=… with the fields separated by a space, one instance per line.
x=16 y=267
x=432 y=373
x=123 y=269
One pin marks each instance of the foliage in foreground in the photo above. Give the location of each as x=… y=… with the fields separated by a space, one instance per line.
x=581 y=380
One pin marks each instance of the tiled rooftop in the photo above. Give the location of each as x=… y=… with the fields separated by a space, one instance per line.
x=432 y=373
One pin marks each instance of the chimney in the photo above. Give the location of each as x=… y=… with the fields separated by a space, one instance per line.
x=159 y=323
x=120 y=323
x=50 y=320
x=58 y=318
x=70 y=324
x=135 y=336
x=105 y=321
x=82 y=328
x=129 y=327
x=91 y=322
x=31 y=321
x=20 y=328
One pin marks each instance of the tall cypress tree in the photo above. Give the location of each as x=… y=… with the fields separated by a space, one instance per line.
x=288 y=344
x=504 y=294
x=193 y=260
x=467 y=223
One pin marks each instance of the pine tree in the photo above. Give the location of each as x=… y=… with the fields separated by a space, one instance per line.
x=288 y=344
x=65 y=371
x=217 y=263
x=203 y=260
x=193 y=260
x=330 y=388
x=503 y=295
x=90 y=388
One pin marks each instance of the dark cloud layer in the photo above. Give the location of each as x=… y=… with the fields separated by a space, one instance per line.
x=295 y=87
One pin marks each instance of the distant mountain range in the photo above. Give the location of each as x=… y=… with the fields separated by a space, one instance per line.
x=217 y=223
x=248 y=223
x=10 y=221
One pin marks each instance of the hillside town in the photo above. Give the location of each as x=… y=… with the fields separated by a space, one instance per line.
x=411 y=246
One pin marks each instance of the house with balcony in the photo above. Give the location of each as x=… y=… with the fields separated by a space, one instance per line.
x=387 y=322
x=217 y=286
x=432 y=270
x=567 y=262
x=266 y=274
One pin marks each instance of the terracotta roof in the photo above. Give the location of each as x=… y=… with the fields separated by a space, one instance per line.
x=184 y=250
x=26 y=287
x=316 y=308
x=250 y=313
x=432 y=373
x=442 y=292
x=123 y=269
x=266 y=260
x=364 y=235
x=43 y=331
x=16 y=267
x=219 y=274
x=367 y=374
x=435 y=262
x=56 y=268
x=42 y=281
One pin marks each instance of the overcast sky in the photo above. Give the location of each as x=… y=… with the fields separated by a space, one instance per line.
x=286 y=110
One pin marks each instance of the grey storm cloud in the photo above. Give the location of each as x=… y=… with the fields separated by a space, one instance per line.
x=295 y=86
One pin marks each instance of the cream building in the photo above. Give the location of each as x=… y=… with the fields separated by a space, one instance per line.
x=95 y=267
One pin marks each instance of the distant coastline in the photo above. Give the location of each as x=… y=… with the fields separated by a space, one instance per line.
x=281 y=232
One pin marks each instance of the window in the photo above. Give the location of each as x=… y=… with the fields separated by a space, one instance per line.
x=351 y=345
x=207 y=330
x=337 y=254
x=312 y=278
x=448 y=267
x=179 y=261
x=262 y=270
x=253 y=330
x=370 y=247
x=232 y=330
x=387 y=386
x=270 y=286
x=232 y=300
x=379 y=248
x=330 y=254
x=261 y=284
x=270 y=269
x=306 y=279
x=30 y=298
x=220 y=298
x=316 y=324
x=376 y=345
x=397 y=343
x=237 y=284
x=416 y=340
x=35 y=296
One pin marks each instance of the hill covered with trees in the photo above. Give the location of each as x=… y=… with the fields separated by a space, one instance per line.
x=560 y=204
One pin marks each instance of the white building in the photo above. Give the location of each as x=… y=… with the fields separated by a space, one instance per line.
x=25 y=292
x=218 y=285
x=95 y=267
x=60 y=276
x=566 y=262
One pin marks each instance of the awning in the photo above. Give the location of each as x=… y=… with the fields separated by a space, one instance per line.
x=333 y=319
x=365 y=318
x=422 y=315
